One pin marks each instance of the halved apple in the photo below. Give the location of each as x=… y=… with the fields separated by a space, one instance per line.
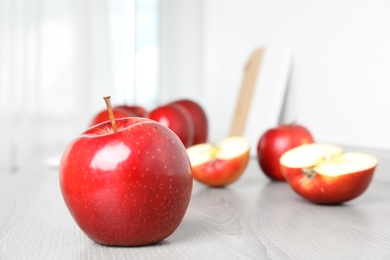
x=324 y=174
x=221 y=164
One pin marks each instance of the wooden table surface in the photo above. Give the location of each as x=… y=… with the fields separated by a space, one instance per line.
x=252 y=219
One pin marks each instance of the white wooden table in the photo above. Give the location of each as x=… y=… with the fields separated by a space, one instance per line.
x=251 y=219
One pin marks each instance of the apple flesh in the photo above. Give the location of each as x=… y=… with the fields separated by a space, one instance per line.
x=219 y=165
x=324 y=174
x=126 y=188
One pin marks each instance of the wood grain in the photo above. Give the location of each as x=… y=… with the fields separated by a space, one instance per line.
x=251 y=219
x=247 y=88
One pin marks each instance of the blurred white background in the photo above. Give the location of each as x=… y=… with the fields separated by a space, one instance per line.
x=340 y=81
x=58 y=58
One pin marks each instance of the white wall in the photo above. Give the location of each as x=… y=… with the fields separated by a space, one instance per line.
x=340 y=80
x=181 y=50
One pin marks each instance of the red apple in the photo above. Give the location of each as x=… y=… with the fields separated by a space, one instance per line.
x=102 y=116
x=134 y=110
x=199 y=118
x=177 y=119
x=324 y=174
x=127 y=188
x=219 y=165
x=274 y=142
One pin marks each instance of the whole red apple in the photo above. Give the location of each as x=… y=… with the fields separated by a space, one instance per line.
x=102 y=116
x=274 y=142
x=219 y=165
x=177 y=119
x=133 y=110
x=127 y=187
x=199 y=118
x=324 y=174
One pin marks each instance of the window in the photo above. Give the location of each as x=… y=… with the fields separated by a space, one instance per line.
x=59 y=58
x=135 y=51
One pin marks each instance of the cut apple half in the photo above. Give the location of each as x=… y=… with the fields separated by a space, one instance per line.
x=308 y=155
x=324 y=174
x=327 y=159
x=227 y=149
x=346 y=164
x=220 y=164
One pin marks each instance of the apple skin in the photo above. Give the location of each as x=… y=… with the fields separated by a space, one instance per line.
x=199 y=118
x=128 y=188
x=274 y=142
x=323 y=189
x=177 y=119
x=103 y=116
x=221 y=164
x=133 y=110
x=220 y=173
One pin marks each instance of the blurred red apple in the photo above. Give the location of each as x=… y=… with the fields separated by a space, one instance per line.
x=134 y=110
x=199 y=118
x=324 y=174
x=274 y=142
x=103 y=116
x=176 y=118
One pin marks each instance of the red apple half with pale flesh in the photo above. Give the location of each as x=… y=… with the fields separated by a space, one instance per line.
x=221 y=164
x=324 y=174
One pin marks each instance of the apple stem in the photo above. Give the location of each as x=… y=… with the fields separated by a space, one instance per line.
x=107 y=99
